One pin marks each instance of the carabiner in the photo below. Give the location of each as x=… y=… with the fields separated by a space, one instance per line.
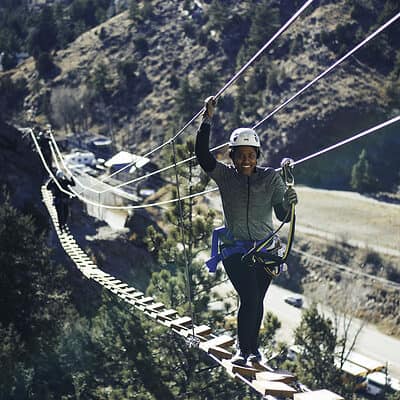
x=287 y=171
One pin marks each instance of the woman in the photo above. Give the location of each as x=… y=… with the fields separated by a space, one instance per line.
x=248 y=193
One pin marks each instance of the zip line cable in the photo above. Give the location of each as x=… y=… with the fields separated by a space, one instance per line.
x=225 y=87
x=204 y=192
x=277 y=109
x=366 y=40
x=310 y=256
x=348 y=140
x=85 y=200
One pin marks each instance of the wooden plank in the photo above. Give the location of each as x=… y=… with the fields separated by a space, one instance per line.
x=219 y=352
x=166 y=315
x=180 y=323
x=156 y=306
x=217 y=346
x=146 y=300
x=134 y=296
x=247 y=371
x=220 y=341
x=275 y=377
x=318 y=395
x=200 y=331
x=273 y=388
x=122 y=286
x=128 y=290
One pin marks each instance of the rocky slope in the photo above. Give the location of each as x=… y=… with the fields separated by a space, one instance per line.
x=348 y=99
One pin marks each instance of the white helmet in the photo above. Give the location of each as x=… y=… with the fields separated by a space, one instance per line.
x=59 y=174
x=244 y=137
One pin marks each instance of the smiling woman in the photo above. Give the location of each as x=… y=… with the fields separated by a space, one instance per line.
x=249 y=194
x=245 y=150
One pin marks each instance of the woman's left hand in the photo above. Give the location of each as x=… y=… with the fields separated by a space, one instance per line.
x=290 y=196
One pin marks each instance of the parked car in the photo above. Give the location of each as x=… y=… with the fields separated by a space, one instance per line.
x=377 y=382
x=294 y=301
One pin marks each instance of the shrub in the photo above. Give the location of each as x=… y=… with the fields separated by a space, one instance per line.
x=141 y=45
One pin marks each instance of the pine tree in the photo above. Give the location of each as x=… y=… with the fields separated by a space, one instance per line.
x=264 y=24
x=316 y=364
x=361 y=177
x=33 y=303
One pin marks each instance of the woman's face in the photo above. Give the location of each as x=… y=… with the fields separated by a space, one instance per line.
x=245 y=159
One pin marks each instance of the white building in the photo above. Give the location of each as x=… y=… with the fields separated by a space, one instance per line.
x=79 y=159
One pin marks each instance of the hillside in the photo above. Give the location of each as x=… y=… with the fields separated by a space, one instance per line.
x=140 y=80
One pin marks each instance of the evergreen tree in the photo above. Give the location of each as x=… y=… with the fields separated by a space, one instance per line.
x=100 y=81
x=44 y=36
x=264 y=24
x=32 y=306
x=12 y=96
x=315 y=366
x=361 y=177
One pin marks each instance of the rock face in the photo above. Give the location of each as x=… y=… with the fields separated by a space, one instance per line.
x=21 y=170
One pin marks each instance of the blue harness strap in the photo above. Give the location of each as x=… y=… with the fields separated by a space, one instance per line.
x=219 y=253
x=216 y=256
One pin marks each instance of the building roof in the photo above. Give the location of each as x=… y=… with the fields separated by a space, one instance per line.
x=124 y=158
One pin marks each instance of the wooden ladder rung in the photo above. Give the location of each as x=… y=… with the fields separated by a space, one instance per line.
x=180 y=323
x=134 y=296
x=155 y=306
x=273 y=388
x=146 y=300
x=219 y=341
x=217 y=346
x=275 y=377
x=167 y=315
x=247 y=371
x=220 y=353
x=317 y=395
x=202 y=330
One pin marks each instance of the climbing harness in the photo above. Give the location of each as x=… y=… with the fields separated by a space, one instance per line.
x=269 y=253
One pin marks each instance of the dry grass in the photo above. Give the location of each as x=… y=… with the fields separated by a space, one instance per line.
x=350 y=217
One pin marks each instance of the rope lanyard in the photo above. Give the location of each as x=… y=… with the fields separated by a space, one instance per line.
x=286 y=165
x=185 y=254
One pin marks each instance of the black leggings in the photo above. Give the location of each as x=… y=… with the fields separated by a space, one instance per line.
x=251 y=283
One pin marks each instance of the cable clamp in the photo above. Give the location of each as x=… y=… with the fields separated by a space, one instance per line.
x=193 y=341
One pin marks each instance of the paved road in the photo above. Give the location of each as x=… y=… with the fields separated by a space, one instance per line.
x=371 y=342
